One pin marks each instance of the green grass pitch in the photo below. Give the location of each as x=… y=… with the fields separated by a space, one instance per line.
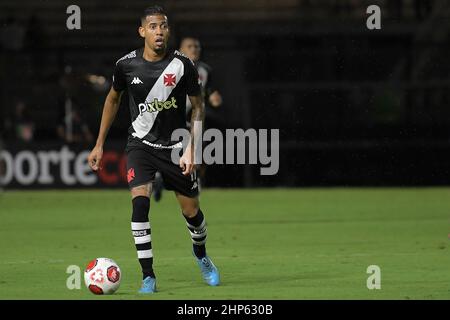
x=267 y=243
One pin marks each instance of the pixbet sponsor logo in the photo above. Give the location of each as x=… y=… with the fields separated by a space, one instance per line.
x=157 y=105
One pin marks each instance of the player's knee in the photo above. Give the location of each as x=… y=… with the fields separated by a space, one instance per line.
x=143 y=190
x=190 y=211
x=141 y=207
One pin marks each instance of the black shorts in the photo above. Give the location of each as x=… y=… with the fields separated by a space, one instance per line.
x=143 y=163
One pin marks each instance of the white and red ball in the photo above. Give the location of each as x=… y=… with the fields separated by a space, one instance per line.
x=102 y=276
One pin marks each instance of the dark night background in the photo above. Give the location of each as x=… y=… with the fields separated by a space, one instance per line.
x=354 y=106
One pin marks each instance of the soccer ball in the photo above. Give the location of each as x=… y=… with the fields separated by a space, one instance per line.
x=102 y=276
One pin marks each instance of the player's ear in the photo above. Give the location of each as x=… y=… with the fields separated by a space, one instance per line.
x=141 y=31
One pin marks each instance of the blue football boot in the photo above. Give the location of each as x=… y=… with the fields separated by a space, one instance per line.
x=209 y=271
x=148 y=285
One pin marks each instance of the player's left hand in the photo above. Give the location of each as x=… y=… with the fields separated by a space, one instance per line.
x=215 y=99
x=186 y=162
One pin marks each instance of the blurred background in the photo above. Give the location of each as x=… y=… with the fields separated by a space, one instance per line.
x=353 y=106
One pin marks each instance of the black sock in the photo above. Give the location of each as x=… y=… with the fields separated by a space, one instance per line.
x=197 y=229
x=140 y=227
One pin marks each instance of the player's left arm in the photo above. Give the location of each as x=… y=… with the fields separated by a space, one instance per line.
x=197 y=118
x=194 y=92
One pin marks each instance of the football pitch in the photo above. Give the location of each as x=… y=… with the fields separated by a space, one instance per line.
x=267 y=243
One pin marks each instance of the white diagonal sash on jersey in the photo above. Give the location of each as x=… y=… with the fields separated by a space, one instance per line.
x=145 y=121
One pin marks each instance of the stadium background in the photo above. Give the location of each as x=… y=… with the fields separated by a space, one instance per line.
x=355 y=107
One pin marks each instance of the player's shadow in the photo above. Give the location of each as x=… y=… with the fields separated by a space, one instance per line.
x=288 y=279
x=187 y=285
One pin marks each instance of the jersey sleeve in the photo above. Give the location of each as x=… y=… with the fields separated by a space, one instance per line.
x=119 y=83
x=192 y=80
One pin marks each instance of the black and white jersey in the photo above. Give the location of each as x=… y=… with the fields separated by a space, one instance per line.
x=157 y=95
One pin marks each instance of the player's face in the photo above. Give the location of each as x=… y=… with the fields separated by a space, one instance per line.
x=191 y=48
x=155 y=30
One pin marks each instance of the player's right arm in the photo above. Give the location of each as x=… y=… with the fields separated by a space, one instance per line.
x=110 y=108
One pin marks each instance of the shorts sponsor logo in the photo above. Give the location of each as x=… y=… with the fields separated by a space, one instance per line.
x=130 y=175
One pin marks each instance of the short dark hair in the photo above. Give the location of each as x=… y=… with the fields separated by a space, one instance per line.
x=190 y=37
x=152 y=11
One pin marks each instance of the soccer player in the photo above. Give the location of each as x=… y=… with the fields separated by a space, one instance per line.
x=191 y=47
x=157 y=81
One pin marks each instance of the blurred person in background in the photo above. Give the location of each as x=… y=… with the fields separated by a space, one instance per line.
x=191 y=47
x=20 y=126
x=74 y=130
